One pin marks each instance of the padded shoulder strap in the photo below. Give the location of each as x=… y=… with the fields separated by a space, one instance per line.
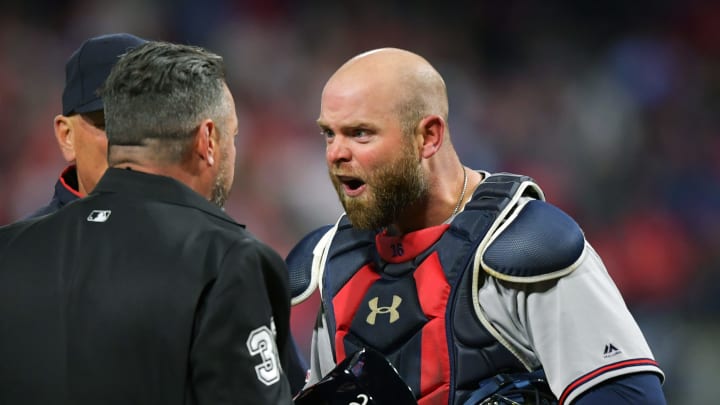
x=505 y=186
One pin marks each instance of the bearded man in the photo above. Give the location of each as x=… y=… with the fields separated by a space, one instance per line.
x=468 y=282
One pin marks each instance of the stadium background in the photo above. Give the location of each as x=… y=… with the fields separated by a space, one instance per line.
x=611 y=106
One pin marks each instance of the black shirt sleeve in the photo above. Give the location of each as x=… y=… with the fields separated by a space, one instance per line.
x=242 y=320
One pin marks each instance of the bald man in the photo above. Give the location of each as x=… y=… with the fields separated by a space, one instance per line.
x=456 y=275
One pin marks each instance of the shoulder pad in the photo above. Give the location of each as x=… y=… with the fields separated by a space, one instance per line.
x=306 y=261
x=300 y=264
x=537 y=242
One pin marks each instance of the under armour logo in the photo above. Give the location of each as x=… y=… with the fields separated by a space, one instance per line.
x=610 y=350
x=99 y=216
x=392 y=310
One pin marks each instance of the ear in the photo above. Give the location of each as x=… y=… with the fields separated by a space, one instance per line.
x=65 y=135
x=432 y=129
x=206 y=142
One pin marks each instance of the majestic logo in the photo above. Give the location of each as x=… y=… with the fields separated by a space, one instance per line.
x=375 y=310
x=99 y=216
x=610 y=350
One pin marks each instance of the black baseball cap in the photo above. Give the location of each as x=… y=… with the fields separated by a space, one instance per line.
x=88 y=68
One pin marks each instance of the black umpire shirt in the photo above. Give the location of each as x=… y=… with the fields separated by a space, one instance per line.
x=142 y=293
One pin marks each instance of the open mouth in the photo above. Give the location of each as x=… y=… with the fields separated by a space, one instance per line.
x=353 y=186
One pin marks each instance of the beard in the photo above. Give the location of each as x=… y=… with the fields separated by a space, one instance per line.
x=221 y=187
x=390 y=190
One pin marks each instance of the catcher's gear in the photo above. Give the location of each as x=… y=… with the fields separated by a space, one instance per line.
x=363 y=378
x=514 y=389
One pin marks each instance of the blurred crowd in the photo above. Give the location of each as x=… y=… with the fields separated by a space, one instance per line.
x=612 y=107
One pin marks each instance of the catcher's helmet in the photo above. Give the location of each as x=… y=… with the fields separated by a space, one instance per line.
x=364 y=377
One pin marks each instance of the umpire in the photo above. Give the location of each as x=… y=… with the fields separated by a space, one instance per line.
x=146 y=292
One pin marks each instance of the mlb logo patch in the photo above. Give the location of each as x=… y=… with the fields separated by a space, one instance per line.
x=99 y=216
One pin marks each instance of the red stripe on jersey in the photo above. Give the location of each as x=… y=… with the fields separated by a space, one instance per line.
x=611 y=367
x=346 y=303
x=434 y=292
x=70 y=171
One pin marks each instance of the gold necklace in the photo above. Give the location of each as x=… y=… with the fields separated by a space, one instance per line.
x=462 y=195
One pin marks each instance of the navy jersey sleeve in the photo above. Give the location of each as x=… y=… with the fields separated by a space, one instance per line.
x=242 y=321
x=635 y=389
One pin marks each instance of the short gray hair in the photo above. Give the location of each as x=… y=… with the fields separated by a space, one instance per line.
x=159 y=92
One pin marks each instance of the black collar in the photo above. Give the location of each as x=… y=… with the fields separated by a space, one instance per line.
x=156 y=187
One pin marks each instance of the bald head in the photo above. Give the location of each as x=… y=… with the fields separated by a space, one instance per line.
x=408 y=83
